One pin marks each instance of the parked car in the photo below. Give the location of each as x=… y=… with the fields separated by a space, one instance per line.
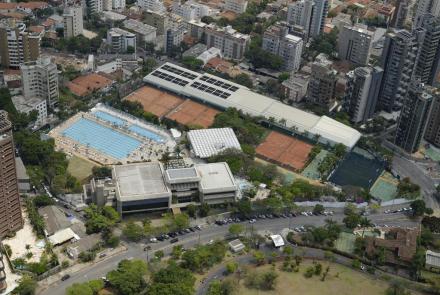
x=65 y=277
x=153 y=240
x=253 y=220
x=102 y=255
x=174 y=240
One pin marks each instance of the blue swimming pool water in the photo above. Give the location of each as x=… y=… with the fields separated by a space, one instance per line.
x=109 y=118
x=101 y=138
x=144 y=132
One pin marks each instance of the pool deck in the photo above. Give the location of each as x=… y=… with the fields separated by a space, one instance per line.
x=148 y=150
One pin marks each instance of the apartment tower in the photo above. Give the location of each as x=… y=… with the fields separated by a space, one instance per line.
x=355 y=45
x=10 y=209
x=73 y=21
x=432 y=132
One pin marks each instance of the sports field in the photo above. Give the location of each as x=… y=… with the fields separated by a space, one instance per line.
x=154 y=100
x=311 y=171
x=80 y=168
x=193 y=113
x=283 y=150
x=385 y=187
x=345 y=242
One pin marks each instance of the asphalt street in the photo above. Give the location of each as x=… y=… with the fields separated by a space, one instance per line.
x=208 y=232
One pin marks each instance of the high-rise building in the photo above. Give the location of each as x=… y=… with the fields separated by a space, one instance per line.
x=191 y=10
x=118 y=4
x=354 y=44
x=278 y=41
x=323 y=82
x=73 y=21
x=432 y=132
x=237 y=6
x=299 y=13
x=424 y=7
x=95 y=6
x=319 y=14
x=40 y=80
x=413 y=118
x=401 y=14
x=361 y=94
x=10 y=208
x=428 y=62
x=398 y=60
x=16 y=45
x=121 y=41
x=232 y=43
x=155 y=6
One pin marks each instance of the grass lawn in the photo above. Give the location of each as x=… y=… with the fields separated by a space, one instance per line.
x=340 y=280
x=80 y=168
x=345 y=242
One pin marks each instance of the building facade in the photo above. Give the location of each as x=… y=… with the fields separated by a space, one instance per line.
x=413 y=118
x=96 y=6
x=232 y=44
x=16 y=45
x=423 y=7
x=10 y=208
x=299 y=13
x=73 y=21
x=120 y=41
x=237 y=6
x=323 y=82
x=155 y=6
x=40 y=80
x=191 y=10
x=354 y=45
x=295 y=88
x=319 y=14
x=398 y=60
x=144 y=32
x=363 y=85
x=278 y=41
x=432 y=132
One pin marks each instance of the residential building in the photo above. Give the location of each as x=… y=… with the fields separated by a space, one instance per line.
x=95 y=6
x=237 y=6
x=40 y=80
x=158 y=19
x=174 y=35
x=209 y=54
x=401 y=14
x=23 y=179
x=423 y=7
x=398 y=60
x=412 y=121
x=73 y=21
x=432 y=132
x=107 y=5
x=295 y=88
x=16 y=45
x=323 y=81
x=118 y=4
x=363 y=85
x=10 y=208
x=191 y=10
x=428 y=61
x=120 y=41
x=319 y=14
x=34 y=103
x=432 y=260
x=232 y=43
x=299 y=13
x=155 y=6
x=144 y=33
x=3 y=283
x=196 y=29
x=354 y=44
x=278 y=41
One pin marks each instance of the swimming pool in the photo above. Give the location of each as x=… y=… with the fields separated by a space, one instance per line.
x=101 y=138
x=133 y=128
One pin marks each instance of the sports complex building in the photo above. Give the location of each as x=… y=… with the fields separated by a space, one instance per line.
x=147 y=186
x=223 y=94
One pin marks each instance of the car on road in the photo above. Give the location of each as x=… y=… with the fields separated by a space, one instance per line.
x=253 y=220
x=153 y=240
x=198 y=227
x=65 y=277
x=102 y=255
x=211 y=242
x=174 y=240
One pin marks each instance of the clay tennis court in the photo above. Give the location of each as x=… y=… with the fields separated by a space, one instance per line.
x=285 y=151
x=154 y=100
x=193 y=113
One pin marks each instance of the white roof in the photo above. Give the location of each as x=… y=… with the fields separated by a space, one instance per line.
x=433 y=258
x=277 y=240
x=209 y=142
x=62 y=236
x=216 y=177
x=225 y=94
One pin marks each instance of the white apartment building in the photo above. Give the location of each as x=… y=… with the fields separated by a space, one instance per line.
x=299 y=13
x=354 y=44
x=144 y=33
x=156 y=6
x=276 y=40
x=95 y=6
x=120 y=40
x=40 y=79
x=25 y=105
x=118 y=4
x=191 y=10
x=73 y=21
x=237 y=6
x=232 y=44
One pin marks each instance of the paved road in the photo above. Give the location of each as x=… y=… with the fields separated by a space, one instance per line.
x=209 y=232
x=407 y=168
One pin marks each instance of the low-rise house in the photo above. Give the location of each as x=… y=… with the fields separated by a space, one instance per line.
x=236 y=246
x=432 y=260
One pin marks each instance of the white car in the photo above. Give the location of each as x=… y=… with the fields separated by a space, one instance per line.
x=252 y=220
x=153 y=240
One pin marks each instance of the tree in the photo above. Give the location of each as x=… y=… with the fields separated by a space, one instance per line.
x=133 y=231
x=180 y=221
x=101 y=172
x=351 y=221
x=129 y=277
x=26 y=286
x=231 y=267
x=243 y=79
x=191 y=209
x=172 y=279
x=204 y=209
x=318 y=209
x=42 y=201
x=236 y=229
x=397 y=289
x=408 y=189
x=365 y=222
x=283 y=77
x=192 y=62
x=418 y=207
x=79 y=289
x=259 y=257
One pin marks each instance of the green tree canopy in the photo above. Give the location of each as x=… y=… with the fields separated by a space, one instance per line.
x=129 y=277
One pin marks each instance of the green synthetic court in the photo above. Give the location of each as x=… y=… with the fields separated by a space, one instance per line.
x=345 y=242
x=433 y=154
x=311 y=171
x=385 y=187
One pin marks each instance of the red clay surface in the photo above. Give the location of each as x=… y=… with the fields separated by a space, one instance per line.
x=193 y=113
x=285 y=151
x=154 y=100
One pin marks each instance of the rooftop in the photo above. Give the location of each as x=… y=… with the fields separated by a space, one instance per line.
x=54 y=219
x=140 y=180
x=432 y=258
x=182 y=175
x=21 y=169
x=277 y=240
x=209 y=142
x=139 y=27
x=215 y=176
x=24 y=105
